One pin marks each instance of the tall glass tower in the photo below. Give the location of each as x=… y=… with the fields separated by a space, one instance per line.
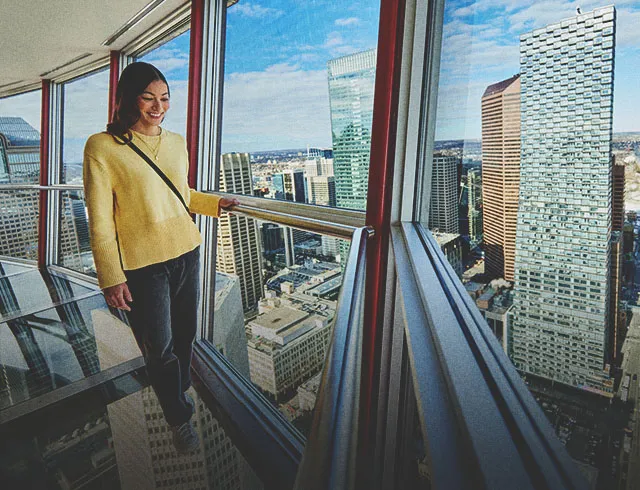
x=351 y=86
x=563 y=235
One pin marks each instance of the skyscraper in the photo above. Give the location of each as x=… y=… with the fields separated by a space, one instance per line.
x=563 y=240
x=443 y=211
x=351 y=84
x=474 y=184
x=238 y=245
x=500 y=174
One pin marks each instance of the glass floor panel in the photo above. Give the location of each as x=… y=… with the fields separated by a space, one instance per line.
x=49 y=349
x=54 y=331
x=8 y=268
x=24 y=292
x=120 y=442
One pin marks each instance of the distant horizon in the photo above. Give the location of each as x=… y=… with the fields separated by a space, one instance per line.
x=303 y=149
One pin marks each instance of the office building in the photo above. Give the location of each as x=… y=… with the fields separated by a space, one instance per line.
x=474 y=185
x=277 y=186
x=351 y=81
x=288 y=341
x=452 y=247
x=322 y=190
x=564 y=230
x=293 y=186
x=617 y=196
x=500 y=174
x=443 y=211
x=239 y=251
x=317 y=165
x=326 y=153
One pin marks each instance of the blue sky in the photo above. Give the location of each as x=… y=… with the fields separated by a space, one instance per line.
x=276 y=89
x=481 y=47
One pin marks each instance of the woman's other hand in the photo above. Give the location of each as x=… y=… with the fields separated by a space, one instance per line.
x=118 y=296
x=226 y=203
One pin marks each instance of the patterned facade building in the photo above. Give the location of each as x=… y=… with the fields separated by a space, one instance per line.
x=564 y=231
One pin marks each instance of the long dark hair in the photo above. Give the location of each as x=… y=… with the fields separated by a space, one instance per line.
x=134 y=79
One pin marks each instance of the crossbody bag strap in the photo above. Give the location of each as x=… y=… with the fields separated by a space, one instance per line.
x=162 y=175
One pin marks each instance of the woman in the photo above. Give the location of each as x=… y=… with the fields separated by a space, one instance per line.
x=144 y=242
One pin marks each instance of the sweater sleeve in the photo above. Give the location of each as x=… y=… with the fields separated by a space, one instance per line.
x=98 y=192
x=203 y=203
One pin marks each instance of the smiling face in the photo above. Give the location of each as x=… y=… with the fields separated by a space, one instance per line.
x=153 y=104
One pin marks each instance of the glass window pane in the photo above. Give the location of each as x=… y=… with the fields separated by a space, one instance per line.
x=19 y=223
x=19 y=164
x=20 y=138
x=58 y=339
x=172 y=59
x=275 y=299
x=528 y=177
x=299 y=83
x=84 y=112
x=73 y=232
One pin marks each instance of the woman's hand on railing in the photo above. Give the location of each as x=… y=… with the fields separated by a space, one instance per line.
x=226 y=203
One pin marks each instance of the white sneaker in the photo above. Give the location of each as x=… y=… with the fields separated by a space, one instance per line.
x=185 y=438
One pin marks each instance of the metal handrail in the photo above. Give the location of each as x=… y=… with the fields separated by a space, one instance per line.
x=36 y=187
x=349 y=217
x=329 y=457
x=344 y=232
x=307 y=217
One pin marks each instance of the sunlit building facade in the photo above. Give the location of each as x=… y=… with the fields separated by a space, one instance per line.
x=563 y=243
x=501 y=174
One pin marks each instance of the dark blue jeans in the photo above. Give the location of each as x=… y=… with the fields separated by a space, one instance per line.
x=163 y=318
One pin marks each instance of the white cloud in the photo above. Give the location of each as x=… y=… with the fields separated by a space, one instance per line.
x=333 y=39
x=168 y=59
x=277 y=108
x=628 y=32
x=348 y=21
x=86 y=106
x=256 y=11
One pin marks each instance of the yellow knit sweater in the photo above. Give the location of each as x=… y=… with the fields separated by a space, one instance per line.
x=135 y=220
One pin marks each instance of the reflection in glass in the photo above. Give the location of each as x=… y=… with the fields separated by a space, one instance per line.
x=124 y=444
x=85 y=112
x=19 y=164
x=74 y=247
x=50 y=339
x=19 y=223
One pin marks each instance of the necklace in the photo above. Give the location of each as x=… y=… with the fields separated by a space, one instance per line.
x=154 y=149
